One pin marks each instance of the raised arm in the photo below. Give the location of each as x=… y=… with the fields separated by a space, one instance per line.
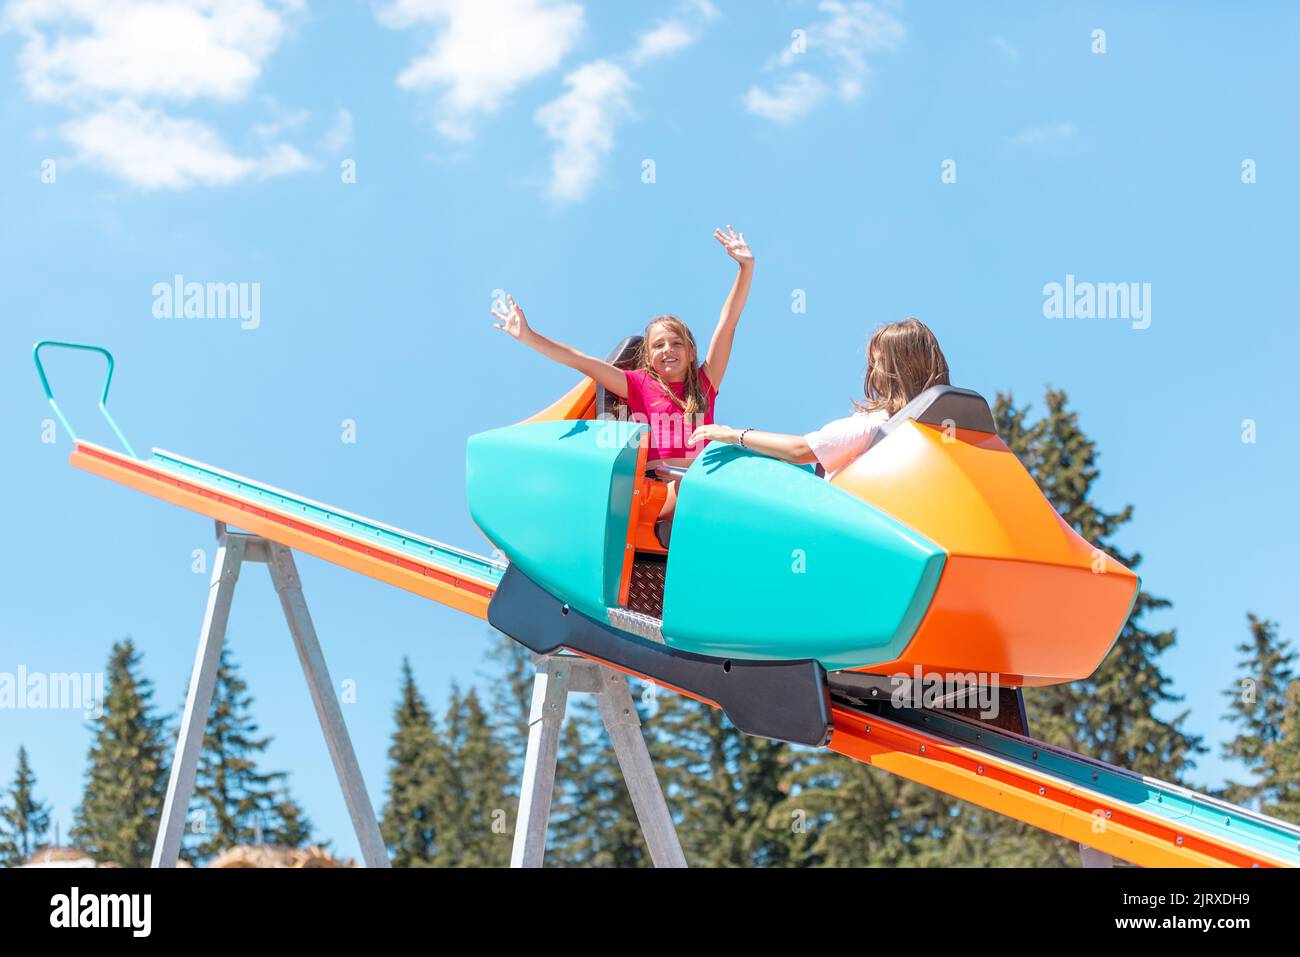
x=514 y=323
x=787 y=448
x=720 y=346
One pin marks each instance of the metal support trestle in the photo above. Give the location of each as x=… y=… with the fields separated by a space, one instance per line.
x=557 y=676
x=233 y=549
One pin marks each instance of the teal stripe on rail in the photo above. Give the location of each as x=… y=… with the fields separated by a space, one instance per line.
x=1243 y=828
x=444 y=557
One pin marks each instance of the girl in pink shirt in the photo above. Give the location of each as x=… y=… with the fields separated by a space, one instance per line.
x=671 y=390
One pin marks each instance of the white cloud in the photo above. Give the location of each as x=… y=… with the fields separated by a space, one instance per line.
x=273 y=128
x=673 y=34
x=483 y=51
x=150 y=149
x=836 y=53
x=1044 y=135
x=794 y=98
x=1007 y=49
x=582 y=121
x=176 y=49
x=339 y=135
x=111 y=63
x=669 y=37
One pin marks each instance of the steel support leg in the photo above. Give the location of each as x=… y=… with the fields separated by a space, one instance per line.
x=546 y=715
x=198 y=701
x=284 y=574
x=1091 y=857
x=624 y=726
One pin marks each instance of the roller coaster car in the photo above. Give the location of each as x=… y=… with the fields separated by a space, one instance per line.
x=934 y=553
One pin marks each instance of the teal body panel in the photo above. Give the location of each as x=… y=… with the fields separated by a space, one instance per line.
x=769 y=561
x=556 y=498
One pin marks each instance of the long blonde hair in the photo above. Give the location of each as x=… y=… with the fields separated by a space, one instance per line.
x=694 y=400
x=903 y=360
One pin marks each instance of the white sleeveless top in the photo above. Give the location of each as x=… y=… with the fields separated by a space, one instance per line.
x=836 y=444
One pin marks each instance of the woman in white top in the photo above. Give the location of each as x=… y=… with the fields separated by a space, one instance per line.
x=903 y=360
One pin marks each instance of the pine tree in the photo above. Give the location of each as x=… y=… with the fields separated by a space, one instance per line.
x=1282 y=780
x=475 y=795
x=118 y=818
x=411 y=821
x=1258 y=705
x=729 y=789
x=234 y=803
x=25 y=820
x=511 y=679
x=292 y=828
x=594 y=822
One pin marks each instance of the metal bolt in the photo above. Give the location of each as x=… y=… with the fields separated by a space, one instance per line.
x=1042 y=790
x=1180 y=839
x=979 y=769
x=1035 y=755
x=1108 y=814
x=923 y=749
x=564 y=609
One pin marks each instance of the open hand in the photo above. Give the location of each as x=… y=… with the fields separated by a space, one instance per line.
x=735 y=245
x=713 y=433
x=512 y=318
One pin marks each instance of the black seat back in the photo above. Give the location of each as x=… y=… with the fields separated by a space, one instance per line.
x=945 y=405
x=626 y=355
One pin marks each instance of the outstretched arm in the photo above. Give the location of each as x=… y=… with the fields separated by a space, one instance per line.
x=787 y=448
x=514 y=323
x=720 y=347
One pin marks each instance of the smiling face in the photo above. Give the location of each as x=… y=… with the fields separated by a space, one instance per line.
x=669 y=349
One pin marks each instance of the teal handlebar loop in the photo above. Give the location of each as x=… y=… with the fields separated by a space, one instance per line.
x=103 y=399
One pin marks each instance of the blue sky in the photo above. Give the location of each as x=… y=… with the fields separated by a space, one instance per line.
x=507 y=149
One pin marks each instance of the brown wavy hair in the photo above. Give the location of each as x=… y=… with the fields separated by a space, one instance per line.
x=694 y=401
x=903 y=360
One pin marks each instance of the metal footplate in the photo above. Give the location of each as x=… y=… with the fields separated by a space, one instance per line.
x=784 y=700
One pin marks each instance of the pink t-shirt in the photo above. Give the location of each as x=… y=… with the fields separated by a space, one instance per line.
x=647 y=402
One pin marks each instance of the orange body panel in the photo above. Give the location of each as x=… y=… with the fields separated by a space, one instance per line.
x=633 y=518
x=655 y=493
x=1022 y=594
x=402 y=571
x=578 y=403
x=1049 y=628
